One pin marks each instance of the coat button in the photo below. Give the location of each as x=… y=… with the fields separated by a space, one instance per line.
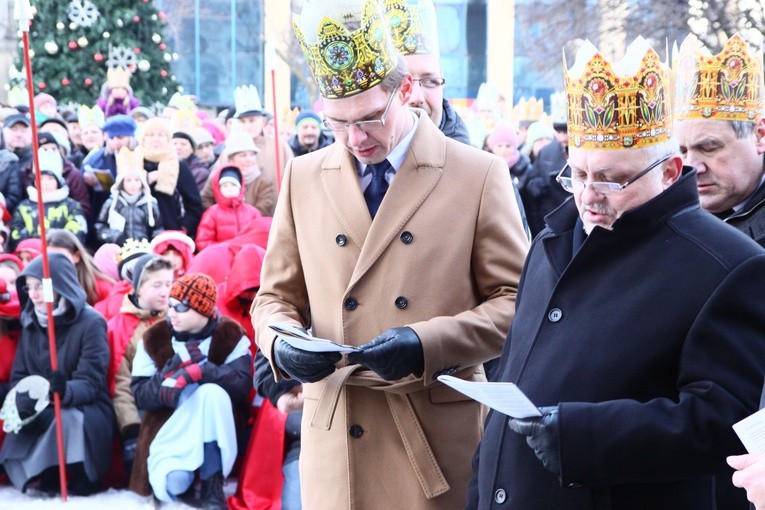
x=500 y=496
x=401 y=302
x=340 y=240
x=355 y=431
x=406 y=237
x=351 y=303
x=555 y=315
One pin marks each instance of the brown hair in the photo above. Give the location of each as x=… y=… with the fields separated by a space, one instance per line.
x=87 y=271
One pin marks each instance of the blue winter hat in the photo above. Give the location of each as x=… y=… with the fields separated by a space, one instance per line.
x=307 y=115
x=120 y=125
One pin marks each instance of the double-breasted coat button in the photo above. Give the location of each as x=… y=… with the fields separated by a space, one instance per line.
x=351 y=303
x=355 y=431
x=341 y=240
x=555 y=315
x=401 y=302
x=406 y=237
x=500 y=496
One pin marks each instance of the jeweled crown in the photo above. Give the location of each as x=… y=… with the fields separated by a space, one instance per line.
x=349 y=52
x=116 y=77
x=90 y=116
x=131 y=248
x=413 y=26
x=619 y=106
x=726 y=86
x=129 y=162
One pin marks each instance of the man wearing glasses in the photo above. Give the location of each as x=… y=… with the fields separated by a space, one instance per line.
x=722 y=135
x=414 y=31
x=639 y=323
x=403 y=243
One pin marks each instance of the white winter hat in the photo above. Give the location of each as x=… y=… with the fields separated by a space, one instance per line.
x=240 y=142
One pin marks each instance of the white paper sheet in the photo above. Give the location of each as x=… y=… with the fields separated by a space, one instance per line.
x=506 y=398
x=751 y=431
x=301 y=340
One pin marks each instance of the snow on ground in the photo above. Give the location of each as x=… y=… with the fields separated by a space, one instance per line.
x=11 y=499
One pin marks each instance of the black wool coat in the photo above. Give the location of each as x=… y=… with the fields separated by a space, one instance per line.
x=651 y=339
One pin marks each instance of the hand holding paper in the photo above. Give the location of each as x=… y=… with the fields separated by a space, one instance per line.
x=506 y=398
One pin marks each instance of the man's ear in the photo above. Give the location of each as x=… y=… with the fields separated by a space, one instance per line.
x=759 y=133
x=673 y=168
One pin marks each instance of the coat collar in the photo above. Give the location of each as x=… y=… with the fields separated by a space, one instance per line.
x=557 y=239
x=415 y=180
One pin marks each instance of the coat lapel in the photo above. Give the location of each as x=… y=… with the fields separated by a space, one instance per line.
x=414 y=181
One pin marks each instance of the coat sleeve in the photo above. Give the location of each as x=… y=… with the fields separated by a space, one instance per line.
x=76 y=222
x=13 y=192
x=266 y=199
x=234 y=376
x=192 y=203
x=88 y=379
x=157 y=228
x=720 y=380
x=207 y=231
x=498 y=253
x=282 y=299
x=124 y=403
x=103 y=231
x=264 y=381
x=208 y=197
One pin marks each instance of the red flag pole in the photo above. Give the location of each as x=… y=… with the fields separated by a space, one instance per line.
x=277 y=138
x=271 y=57
x=23 y=13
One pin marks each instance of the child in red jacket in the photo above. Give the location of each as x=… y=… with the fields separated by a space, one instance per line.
x=231 y=214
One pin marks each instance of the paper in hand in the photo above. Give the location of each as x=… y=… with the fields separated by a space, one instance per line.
x=506 y=398
x=298 y=339
x=751 y=432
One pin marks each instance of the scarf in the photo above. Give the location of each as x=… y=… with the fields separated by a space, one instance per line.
x=168 y=168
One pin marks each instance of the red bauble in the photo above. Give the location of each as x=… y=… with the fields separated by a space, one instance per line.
x=65 y=82
x=136 y=19
x=137 y=50
x=88 y=82
x=163 y=46
x=163 y=73
x=98 y=57
x=72 y=45
x=162 y=16
x=41 y=85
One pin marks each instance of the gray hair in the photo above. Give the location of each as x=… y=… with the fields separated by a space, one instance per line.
x=393 y=79
x=742 y=128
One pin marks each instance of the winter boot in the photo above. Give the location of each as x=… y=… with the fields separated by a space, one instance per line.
x=211 y=495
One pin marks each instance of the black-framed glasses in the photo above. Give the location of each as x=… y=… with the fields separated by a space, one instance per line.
x=180 y=307
x=577 y=185
x=364 y=125
x=430 y=83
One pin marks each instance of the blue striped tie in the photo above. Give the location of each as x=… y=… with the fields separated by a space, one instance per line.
x=376 y=190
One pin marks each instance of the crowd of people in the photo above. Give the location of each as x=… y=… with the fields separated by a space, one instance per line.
x=629 y=313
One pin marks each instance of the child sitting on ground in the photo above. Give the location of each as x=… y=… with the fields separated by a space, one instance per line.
x=61 y=211
x=131 y=212
x=230 y=215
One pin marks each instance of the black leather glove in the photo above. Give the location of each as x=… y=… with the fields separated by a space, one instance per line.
x=302 y=365
x=57 y=381
x=543 y=436
x=392 y=355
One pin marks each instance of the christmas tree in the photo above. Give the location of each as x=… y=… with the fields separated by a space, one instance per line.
x=73 y=44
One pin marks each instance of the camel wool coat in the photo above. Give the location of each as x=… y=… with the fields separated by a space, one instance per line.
x=442 y=256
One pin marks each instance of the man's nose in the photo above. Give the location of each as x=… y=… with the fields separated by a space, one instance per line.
x=417 y=97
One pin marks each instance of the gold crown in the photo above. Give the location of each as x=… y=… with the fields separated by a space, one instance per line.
x=131 y=248
x=413 y=27
x=350 y=55
x=626 y=105
x=529 y=109
x=726 y=86
x=90 y=116
x=129 y=161
x=116 y=77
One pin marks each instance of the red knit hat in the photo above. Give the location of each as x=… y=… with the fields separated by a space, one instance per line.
x=196 y=290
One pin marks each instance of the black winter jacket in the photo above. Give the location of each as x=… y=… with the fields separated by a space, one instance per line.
x=10 y=180
x=183 y=209
x=136 y=219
